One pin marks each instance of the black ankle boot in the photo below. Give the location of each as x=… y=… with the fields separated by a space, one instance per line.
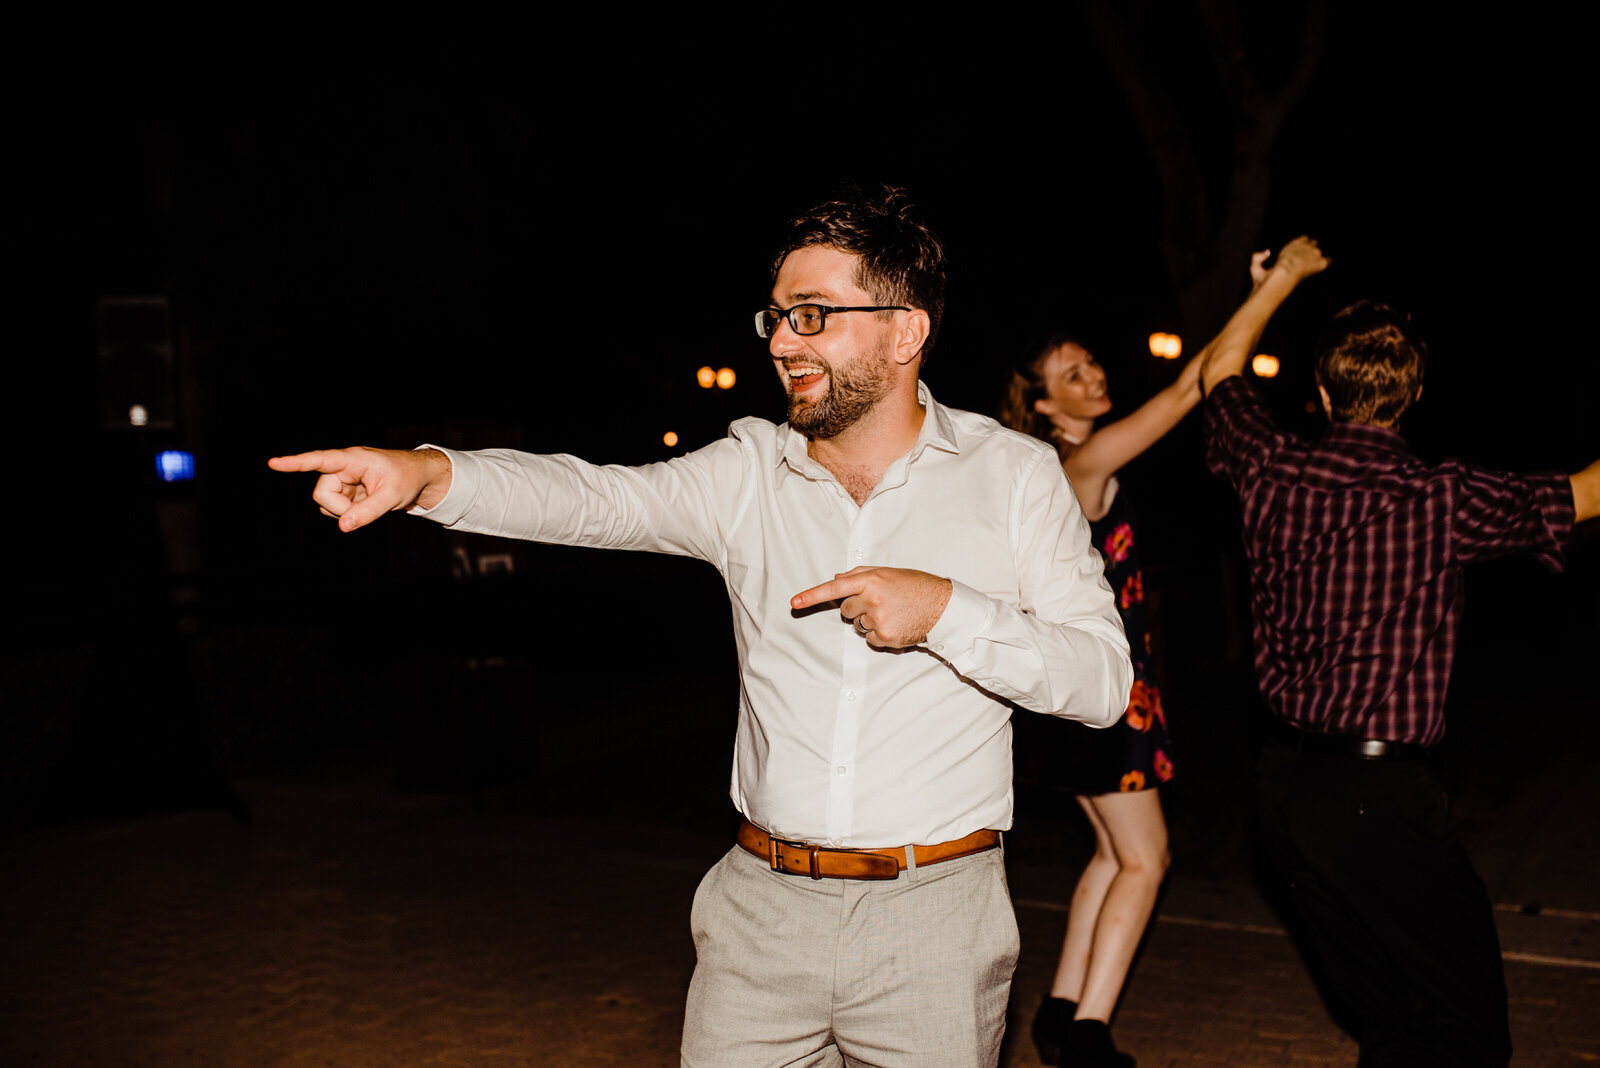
x=1050 y=1025
x=1087 y=1044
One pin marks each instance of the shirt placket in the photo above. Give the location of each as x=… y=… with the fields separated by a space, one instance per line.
x=850 y=704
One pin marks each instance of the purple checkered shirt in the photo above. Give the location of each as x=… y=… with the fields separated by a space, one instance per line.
x=1356 y=549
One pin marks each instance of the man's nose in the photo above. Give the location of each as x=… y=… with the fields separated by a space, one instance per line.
x=783 y=340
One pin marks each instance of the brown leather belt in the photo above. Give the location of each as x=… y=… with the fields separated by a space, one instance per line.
x=820 y=862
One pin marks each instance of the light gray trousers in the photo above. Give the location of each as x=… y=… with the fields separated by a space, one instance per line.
x=829 y=972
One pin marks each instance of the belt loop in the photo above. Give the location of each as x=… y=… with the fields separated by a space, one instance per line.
x=816 y=866
x=911 y=862
x=772 y=853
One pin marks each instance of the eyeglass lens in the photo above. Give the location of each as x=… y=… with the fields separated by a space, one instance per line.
x=804 y=319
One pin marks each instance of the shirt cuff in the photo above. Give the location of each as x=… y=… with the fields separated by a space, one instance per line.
x=462 y=492
x=967 y=615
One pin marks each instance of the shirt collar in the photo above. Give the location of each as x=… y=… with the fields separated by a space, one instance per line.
x=1364 y=437
x=938 y=431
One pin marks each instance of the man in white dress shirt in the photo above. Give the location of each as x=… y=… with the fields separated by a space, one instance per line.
x=900 y=573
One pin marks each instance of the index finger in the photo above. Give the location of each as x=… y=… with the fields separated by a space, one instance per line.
x=327 y=461
x=835 y=589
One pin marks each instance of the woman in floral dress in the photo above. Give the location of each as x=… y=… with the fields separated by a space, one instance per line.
x=1059 y=395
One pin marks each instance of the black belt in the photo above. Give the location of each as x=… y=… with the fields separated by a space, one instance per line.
x=1347 y=745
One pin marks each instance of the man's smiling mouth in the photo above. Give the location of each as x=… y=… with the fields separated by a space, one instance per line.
x=803 y=374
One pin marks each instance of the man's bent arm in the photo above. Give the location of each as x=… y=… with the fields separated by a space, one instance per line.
x=1227 y=353
x=1060 y=650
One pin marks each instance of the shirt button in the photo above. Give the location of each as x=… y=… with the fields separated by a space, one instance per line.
x=849 y=695
x=835 y=841
x=840 y=770
x=858 y=554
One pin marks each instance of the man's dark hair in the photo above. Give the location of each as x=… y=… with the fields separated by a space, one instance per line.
x=1371 y=363
x=901 y=261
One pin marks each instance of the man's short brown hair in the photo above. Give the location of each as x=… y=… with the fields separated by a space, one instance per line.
x=1371 y=363
x=901 y=261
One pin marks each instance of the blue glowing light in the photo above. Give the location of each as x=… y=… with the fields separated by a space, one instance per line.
x=175 y=465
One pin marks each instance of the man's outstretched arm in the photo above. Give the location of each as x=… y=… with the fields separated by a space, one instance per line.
x=1586 y=493
x=1227 y=353
x=359 y=485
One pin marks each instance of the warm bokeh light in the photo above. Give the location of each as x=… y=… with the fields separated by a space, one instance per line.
x=725 y=378
x=706 y=377
x=1264 y=366
x=670 y=438
x=138 y=415
x=1166 y=346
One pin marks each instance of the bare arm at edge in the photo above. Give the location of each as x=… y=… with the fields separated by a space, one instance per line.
x=1586 y=493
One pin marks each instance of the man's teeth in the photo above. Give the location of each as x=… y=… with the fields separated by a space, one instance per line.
x=804 y=372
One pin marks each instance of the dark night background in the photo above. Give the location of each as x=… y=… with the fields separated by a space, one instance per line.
x=487 y=235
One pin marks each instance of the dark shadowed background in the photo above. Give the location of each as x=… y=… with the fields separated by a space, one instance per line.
x=488 y=234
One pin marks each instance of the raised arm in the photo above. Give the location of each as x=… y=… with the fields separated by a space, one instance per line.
x=359 y=485
x=1111 y=446
x=1225 y=356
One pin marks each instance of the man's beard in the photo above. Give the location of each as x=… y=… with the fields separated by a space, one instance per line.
x=851 y=394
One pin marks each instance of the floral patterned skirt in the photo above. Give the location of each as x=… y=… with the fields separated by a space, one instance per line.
x=1135 y=753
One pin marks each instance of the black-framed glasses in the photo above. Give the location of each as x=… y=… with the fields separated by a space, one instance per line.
x=809 y=319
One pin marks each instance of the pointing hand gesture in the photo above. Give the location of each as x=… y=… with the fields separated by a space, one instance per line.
x=359 y=485
x=891 y=607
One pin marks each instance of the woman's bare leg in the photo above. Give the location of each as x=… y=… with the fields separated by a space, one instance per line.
x=1086 y=901
x=1113 y=900
x=1139 y=837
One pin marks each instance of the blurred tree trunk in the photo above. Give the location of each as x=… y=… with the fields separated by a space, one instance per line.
x=1206 y=244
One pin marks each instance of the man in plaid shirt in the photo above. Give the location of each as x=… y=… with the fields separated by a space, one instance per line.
x=1356 y=551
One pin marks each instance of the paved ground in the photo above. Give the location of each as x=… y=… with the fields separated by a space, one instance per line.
x=354 y=924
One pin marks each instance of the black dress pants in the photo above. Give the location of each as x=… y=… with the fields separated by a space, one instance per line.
x=1401 y=922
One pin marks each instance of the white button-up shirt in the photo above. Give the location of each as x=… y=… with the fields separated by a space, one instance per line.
x=841 y=743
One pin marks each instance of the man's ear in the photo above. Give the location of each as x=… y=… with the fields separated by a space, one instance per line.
x=912 y=336
x=1327 y=405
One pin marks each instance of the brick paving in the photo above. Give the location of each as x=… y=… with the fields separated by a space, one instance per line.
x=353 y=924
